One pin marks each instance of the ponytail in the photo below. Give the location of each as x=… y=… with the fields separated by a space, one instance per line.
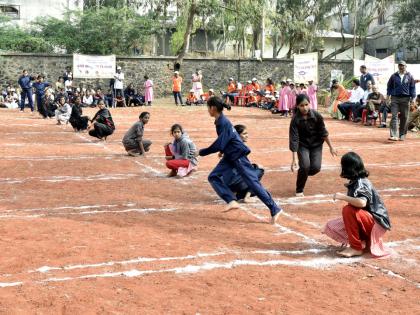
x=217 y=102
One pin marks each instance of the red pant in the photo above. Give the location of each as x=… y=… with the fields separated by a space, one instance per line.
x=174 y=164
x=359 y=224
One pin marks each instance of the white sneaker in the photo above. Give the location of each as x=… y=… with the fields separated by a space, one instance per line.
x=300 y=194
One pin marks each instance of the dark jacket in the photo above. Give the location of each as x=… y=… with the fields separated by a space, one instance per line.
x=405 y=88
x=364 y=78
x=363 y=188
x=25 y=82
x=228 y=141
x=103 y=116
x=309 y=133
x=40 y=87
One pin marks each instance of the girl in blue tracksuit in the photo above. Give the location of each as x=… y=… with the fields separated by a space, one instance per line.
x=235 y=154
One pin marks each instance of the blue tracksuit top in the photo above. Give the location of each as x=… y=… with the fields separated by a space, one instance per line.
x=406 y=87
x=40 y=87
x=25 y=82
x=228 y=141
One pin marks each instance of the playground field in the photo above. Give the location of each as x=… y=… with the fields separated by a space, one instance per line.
x=86 y=229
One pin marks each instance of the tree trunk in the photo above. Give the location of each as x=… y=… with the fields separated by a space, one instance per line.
x=190 y=21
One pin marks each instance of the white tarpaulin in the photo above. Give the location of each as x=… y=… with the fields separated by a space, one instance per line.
x=336 y=75
x=305 y=67
x=91 y=67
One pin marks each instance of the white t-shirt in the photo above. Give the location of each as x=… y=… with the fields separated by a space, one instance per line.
x=356 y=95
x=119 y=78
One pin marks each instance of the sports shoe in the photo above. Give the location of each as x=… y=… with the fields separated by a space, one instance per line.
x=299 y=194
x=393 y=138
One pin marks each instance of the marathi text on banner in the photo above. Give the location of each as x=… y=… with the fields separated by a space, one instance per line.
x=92 y=67
x=305 y=67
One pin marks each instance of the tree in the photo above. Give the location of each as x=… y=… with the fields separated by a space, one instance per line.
x=13 y=38
x=406 y=22
x=104 y=31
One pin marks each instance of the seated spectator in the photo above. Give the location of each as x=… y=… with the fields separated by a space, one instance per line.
x=73 y=96
x=256 y=86
x=231 y=91
x=356 y=95
x=359 y=107
x=191 y=98
x=248 y=87
x=129 y=93
x=270 y=87
x=61 y=93
x=375 y=101
x=269 y=102
x=59 y=84
x=98 y=96
x=87 y=99
x=63 y=112
x=338 y=95
x=2 y=103
x=252 y=100
x=77 y=121
x=207 y=95
x=108 y=97
x=11 y=100
x=414 y=116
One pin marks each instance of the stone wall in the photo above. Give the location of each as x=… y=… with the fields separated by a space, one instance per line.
x=159 y=69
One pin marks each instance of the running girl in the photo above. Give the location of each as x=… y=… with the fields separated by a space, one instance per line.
x=235 y=154
x=307 y=134
x=365 y=218
x=180 y=154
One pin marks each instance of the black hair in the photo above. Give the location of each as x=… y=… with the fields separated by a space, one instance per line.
x=175 y=127
x=270 y=81
x=146 y=77
x=40 y=76
x=240 y=128
x=418 y=95
x=356 y=81
x=218 y=103
x=302 y=97
x=143 y=114
x=363 y=66
x=352 y=166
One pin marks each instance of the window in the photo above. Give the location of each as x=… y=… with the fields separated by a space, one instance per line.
x=12 y=11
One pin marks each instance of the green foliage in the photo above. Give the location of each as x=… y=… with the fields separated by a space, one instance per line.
x=13 y=38
x=406 y=22
x=104 y=31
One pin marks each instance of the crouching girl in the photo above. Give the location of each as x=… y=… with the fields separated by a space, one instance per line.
x=180 y=154
x=364 y=219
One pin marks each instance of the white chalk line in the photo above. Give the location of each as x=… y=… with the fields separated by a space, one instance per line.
x=65 y=178
x=317 y=263
x=91 y=212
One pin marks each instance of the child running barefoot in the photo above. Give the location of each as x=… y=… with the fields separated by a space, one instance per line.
x=235 y=154
x=365 y=218
x=180 y=154
x=236 y=183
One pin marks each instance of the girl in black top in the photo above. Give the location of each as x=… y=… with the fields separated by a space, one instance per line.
x=307 y=134
x=102 y=123
x=77 y=121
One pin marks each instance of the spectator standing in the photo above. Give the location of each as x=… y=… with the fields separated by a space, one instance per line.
x=25 y=82
x=118 y=86
x=365 y=78
x=401 y=90
x=176 y=88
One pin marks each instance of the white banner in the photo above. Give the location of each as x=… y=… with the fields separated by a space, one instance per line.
x=92 y=67
x=381 y=70
x=305 y=67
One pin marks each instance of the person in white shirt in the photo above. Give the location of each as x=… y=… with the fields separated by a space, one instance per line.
x=118 y=87
x=358 y=109
x=354 y=101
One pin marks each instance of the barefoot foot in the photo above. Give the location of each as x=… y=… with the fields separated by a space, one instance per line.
x=350 y=252
x=232 y=205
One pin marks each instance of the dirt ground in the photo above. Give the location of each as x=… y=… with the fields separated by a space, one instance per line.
x=86 y=229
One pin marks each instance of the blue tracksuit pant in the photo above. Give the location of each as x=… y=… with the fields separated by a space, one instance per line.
x=223 y=170
x=26 y=93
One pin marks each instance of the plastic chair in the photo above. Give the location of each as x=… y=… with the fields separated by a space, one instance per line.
x=241 y=99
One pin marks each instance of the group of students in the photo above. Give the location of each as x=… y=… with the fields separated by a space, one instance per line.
x=364 y=220
x=364 y=98
x=282 y=101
